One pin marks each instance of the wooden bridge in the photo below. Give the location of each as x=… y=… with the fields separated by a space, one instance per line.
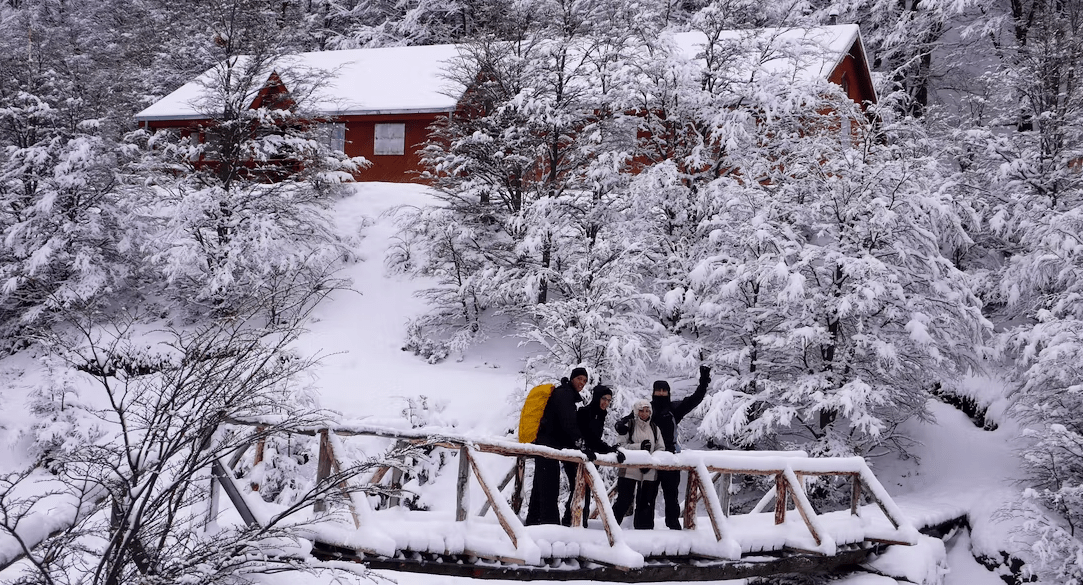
x=783 y=533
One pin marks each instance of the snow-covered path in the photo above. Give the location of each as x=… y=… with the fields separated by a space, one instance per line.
x=366 y=374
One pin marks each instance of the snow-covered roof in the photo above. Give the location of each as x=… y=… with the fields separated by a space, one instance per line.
x=806 y=53
x=360 y=81
x=397 y=80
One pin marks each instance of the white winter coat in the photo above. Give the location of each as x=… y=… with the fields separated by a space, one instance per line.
x=642 y=430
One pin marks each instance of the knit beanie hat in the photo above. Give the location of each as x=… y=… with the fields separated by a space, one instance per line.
x=598 y=392
x=578 y=372
x=661 y=385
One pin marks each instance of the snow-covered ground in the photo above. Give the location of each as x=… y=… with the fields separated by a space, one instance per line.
x=366 y=376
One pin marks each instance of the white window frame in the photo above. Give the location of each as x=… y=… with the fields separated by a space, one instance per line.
x=389 y=139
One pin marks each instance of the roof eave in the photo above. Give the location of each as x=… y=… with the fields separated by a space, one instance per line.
x=445 y=110
x=335 y=114
x=841 y=55
x=856 y=39
x=169 y=117
x=868 y=67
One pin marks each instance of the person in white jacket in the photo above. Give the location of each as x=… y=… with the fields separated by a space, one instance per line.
x=640 y=483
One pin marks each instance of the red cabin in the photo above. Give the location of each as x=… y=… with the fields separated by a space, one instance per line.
x=379 y=103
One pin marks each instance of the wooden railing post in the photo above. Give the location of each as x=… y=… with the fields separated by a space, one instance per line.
x=724 y=490
x=520 y=473
x=579 y=496
x=212 y=503
x=396 y=482
x=780 y=498
x=261 y=445
x=462 y=495
x=691 y=501
x=323 y=469
x=855 y=496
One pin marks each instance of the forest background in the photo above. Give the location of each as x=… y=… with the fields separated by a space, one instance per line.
x=833 y=282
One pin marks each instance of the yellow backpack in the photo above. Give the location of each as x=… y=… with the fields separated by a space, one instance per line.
x=533 y=409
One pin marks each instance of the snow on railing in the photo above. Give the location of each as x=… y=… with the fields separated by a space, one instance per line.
x=704 y=469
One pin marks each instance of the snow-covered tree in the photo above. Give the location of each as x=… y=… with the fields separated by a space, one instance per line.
x=838 y=310
x=61 y=244
x=530 y=177
x=798 y=246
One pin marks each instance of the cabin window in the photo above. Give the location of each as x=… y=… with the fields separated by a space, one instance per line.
x=390 y=139
x=333 y=135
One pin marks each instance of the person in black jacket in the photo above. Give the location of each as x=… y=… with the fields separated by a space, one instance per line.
x=559 y=429
x=667 y=415
x=591 y=420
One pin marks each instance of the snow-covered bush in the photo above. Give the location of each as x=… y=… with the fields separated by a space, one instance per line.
x=1049 y=399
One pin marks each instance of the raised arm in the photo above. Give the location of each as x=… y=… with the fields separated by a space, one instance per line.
x=682 y=408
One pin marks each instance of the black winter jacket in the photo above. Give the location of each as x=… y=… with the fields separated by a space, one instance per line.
x=592 y=424
x=559 y=427
x=667 y=414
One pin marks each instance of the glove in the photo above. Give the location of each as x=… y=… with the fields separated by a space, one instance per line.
x=704 y=374
x=645 y=445
x=620 y=456
x=589 y=455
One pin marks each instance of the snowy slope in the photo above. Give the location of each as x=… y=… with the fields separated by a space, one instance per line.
x=366 y=374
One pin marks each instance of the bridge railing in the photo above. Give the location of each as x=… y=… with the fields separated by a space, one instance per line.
x=703 y=468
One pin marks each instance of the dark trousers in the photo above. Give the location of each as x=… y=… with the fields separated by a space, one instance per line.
x=645 y=495
x=543 y=507
x=671 y=481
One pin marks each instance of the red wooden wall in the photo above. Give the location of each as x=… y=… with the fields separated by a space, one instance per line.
x=360 y=141
x=404 y=168
x=852 y=74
